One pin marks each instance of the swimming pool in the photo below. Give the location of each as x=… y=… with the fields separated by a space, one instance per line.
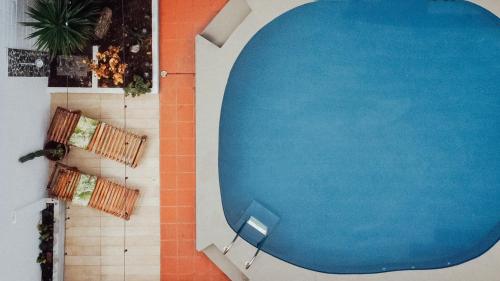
x=371 y=129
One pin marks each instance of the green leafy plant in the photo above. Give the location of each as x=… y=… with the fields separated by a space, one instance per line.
x=62 y=26
x=46 y=231
x=137 y=87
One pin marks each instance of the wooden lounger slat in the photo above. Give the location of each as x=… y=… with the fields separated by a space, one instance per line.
x=95 y=194
x=96 y=137
x=109 y=139
x=62 y=125
x=72 y=122
x=134 y=144
x=139 y=153
x=112 y=202
x=102 y=203
x=65 y=184
x=102 y=189
x=105 y=140
x=54 y=127
x=124 y=147
x=116 y=143
x=119 y=144
x=59 y=125
x=101 y=138
x=130 y=203
x=113 y=198
x=112 y=142
x=118 y=204
x=107 y=204
x=59 y=117
x=92 y=140
x=60 y=183
x=105 y=191
x=74 y=185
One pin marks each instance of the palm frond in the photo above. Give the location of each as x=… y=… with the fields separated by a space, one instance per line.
x=62 y=27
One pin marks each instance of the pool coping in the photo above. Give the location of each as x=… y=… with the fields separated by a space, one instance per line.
x=217 y=49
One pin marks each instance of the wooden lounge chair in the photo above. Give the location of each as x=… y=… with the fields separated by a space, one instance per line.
x=103 y=139
x=68 y=184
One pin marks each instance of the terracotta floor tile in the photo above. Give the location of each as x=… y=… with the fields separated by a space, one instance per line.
x=169 y=264
x=185 y=81
x=167 y=12
x=186 y=146
x=185 y=30
x=185 y=95
x=186 y=231
x=168 y=197
x=168 y=130
x=168 y=180
x=169 y=147
x=170 y=248
x=167 y=62
x=185 y=164
x=169 y=162
x=185 y=113
x=186 y=130
x=187 y=248
x=169 y=30
x=169 y=96
x=185 y=64
x=168 y=114
x=185 y=265
x=169 y=214
x=169 y=277
x=186 y=214
x=186 y=198
x=186 y=277
x=169 y=232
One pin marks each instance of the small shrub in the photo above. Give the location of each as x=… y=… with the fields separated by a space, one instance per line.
x=137 y=87
x=108 y=66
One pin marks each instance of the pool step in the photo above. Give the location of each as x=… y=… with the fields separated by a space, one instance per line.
x=226 y=22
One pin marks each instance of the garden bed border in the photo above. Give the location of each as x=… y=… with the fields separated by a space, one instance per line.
x=95 y=89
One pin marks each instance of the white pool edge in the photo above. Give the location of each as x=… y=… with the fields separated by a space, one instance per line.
x=213 y=65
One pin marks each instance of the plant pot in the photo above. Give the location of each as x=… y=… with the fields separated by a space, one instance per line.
x=54 y=145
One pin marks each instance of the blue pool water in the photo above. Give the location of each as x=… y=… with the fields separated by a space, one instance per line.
x=372 y=130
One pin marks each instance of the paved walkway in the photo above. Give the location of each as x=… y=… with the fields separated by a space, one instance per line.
x=180 y=21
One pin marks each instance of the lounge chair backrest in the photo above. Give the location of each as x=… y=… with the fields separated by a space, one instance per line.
x=63 y=124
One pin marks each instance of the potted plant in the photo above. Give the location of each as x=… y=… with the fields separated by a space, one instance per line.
x=51 y=150
x=62 y=27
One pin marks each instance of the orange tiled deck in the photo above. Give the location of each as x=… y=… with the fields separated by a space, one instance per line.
x=180 y=21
